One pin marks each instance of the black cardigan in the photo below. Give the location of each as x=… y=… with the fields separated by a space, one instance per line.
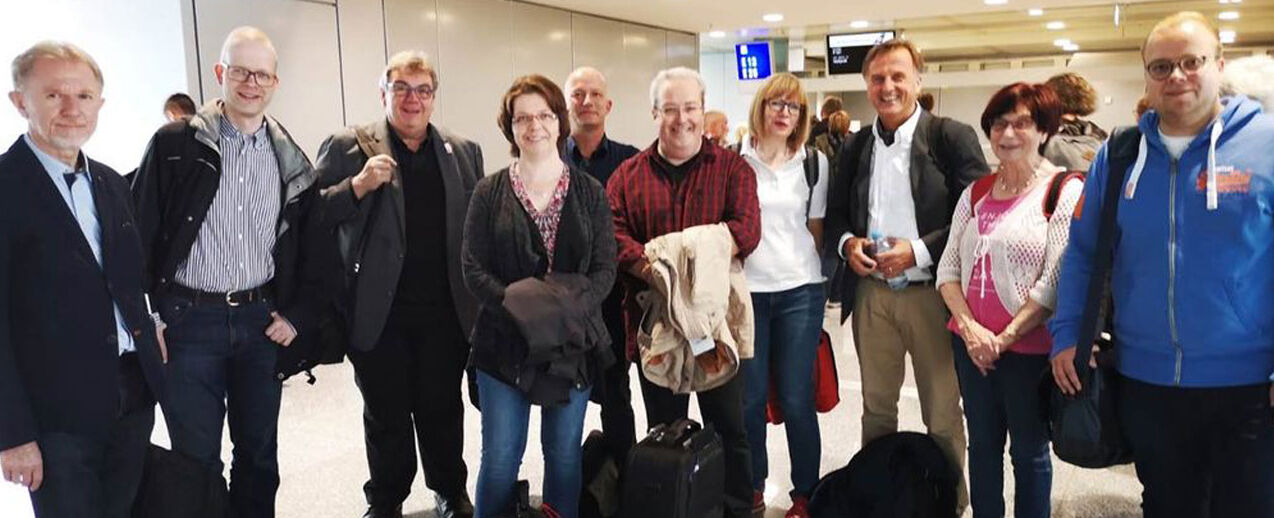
x=502 y=245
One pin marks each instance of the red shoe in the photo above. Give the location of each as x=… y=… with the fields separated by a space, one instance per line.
x=758 y=502
x=799 y=509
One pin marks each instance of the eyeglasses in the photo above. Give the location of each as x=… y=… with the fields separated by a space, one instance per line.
x=778 y=105
x=243 y=75
x=671 y=111
x=401 y=90
x=1161 y=69
x=1019 y=124
x=542 y=118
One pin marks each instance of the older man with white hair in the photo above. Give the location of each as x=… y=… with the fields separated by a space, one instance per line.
x=679 y=182
x=223 y=202
x=1252 y=76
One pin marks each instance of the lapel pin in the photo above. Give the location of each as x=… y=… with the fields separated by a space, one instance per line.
x=447 y=146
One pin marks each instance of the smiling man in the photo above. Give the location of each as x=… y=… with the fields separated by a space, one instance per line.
x=397 y=190
x=682 y=181
x=901 y=180
x=223 y=204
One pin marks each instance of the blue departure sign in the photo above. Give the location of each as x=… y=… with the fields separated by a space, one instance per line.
x=753 y=60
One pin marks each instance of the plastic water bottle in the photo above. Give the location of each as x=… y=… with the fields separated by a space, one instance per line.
x=882 y=245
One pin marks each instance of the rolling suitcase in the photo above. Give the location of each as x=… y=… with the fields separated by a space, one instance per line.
x=678 y=471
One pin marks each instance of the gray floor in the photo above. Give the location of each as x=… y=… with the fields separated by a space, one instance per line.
x=323 y=466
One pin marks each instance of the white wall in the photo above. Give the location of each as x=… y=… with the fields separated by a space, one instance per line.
x=142 y=60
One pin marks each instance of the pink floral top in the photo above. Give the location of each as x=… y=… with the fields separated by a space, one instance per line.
x=547 y=220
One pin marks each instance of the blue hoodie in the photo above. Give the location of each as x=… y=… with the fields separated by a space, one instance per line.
x=1193 y=285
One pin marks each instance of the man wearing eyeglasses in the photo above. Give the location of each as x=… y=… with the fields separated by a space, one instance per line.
x=1192 y=282
x=680 y=181
x=397 y=190
x=223 y=204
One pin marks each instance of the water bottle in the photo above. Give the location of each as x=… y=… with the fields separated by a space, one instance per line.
x=882 y=245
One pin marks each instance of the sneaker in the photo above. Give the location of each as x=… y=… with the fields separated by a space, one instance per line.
x=799 y=509
x=758 y=503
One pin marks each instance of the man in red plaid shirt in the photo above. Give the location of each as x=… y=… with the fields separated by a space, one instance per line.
x=678 y=182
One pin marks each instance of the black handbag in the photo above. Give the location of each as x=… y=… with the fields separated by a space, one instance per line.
x=1085 y=428
x=176 y=486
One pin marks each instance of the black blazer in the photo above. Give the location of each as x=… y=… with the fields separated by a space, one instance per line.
x=945 y=158
x=340 y=158
x=59 y=357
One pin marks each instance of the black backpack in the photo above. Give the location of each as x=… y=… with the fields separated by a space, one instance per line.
x=810 y=165
x=900 y=475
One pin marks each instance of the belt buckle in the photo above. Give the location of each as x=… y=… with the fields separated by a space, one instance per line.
x=230 y=299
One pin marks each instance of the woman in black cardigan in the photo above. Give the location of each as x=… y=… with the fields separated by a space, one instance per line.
x=539 y=254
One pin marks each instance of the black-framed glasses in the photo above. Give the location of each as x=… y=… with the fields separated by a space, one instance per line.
x=244 y=75
x=1161 y=69
x=778 y=105
x=542 y=117
x=401 y=89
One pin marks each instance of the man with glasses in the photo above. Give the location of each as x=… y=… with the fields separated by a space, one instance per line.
x=678 y=182
x=223 y=204
x=1192 y=282
x=397 y=190
x=899 y=182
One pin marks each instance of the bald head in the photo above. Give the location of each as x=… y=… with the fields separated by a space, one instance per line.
x=588 y=100
x=716 y=126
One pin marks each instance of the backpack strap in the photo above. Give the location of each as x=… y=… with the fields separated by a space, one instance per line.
x=811 y=175
x=981 y=187
x=1055 y=189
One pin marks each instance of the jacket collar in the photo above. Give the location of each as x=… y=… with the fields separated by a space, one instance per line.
x=294 y=167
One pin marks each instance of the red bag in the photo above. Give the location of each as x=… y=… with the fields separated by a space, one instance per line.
x=826 y=383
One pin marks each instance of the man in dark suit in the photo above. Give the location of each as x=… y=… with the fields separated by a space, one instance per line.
x=901 y=181
x=80 y=368
x=397 y=191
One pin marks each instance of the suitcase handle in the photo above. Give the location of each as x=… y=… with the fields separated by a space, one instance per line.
x=672 y=434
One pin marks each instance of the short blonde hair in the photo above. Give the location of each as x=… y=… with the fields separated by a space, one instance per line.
x=59 y=50
x=1179 y=19
x=408 y=61
x=781 y=86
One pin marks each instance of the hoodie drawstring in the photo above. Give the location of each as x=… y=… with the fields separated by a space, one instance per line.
x=1131 y=187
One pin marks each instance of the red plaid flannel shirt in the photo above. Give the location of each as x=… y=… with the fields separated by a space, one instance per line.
x=646 y=203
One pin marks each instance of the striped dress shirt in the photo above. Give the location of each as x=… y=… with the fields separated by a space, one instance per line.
x=234 y=248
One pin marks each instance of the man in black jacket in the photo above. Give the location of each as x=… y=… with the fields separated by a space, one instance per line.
x=901 y=180
x=80 y=368
x=223 y=204
x=397 y=191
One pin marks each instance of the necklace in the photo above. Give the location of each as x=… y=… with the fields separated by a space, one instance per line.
x=1001 y=181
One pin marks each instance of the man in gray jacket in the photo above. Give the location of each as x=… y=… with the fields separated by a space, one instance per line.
x=397 y=191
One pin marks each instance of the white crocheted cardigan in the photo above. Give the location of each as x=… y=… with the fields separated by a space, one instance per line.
x=1024 y=249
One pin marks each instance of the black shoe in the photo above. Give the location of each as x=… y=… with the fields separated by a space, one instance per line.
x=457 y=506
x=374 y=512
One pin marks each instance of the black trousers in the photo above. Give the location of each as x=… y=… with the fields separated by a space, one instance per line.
x=722 y=408
x=1201 y=452
x=614 y=392
x=411 y=399
x=98 y=475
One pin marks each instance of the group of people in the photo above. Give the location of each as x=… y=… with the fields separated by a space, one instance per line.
x=230 y=262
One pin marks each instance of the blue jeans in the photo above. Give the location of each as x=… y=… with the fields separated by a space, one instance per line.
x=1006 y=401
x=787 y=330
x=505 y=417
x=221 y=365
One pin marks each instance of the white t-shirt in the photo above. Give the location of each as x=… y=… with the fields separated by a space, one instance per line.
x=786 y=258
x=1176 y=145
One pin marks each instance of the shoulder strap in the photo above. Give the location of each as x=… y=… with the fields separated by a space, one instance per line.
x=981 y=188
x=1121 y=152
x=360 y=249
x=736 y=147
x=811 y=175
x=1055 y=189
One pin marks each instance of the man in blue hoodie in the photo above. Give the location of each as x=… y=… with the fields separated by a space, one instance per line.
x=1192 y=282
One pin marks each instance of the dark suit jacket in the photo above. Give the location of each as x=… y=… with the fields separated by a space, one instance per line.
x=59 y=357
x=945 y=158
x=369 y=291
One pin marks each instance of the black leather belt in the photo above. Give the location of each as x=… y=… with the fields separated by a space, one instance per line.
x=231 y=299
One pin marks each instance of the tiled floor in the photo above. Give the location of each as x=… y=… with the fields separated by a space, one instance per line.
x=323 y=466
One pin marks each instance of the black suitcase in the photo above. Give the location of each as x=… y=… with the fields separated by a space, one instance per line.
x=678 y=471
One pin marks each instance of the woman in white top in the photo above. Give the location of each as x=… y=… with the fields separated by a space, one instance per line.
x=998 y=276
x=786 y=280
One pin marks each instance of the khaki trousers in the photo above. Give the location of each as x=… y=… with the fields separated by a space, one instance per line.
x=887 y=326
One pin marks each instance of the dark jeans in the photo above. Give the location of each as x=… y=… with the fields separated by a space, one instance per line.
x=506 y=415
x=722 y=408
x=615 y=392
x=221 y=368
x=1201 y=452
x=97 y=475
x=411 y=386
x=1003 y=403
x=786 y=346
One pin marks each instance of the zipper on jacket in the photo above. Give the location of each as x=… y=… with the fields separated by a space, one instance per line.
x=1172 y=270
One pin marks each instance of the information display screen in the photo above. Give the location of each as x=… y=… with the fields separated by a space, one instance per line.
x=753 y=60
x=845 y=52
